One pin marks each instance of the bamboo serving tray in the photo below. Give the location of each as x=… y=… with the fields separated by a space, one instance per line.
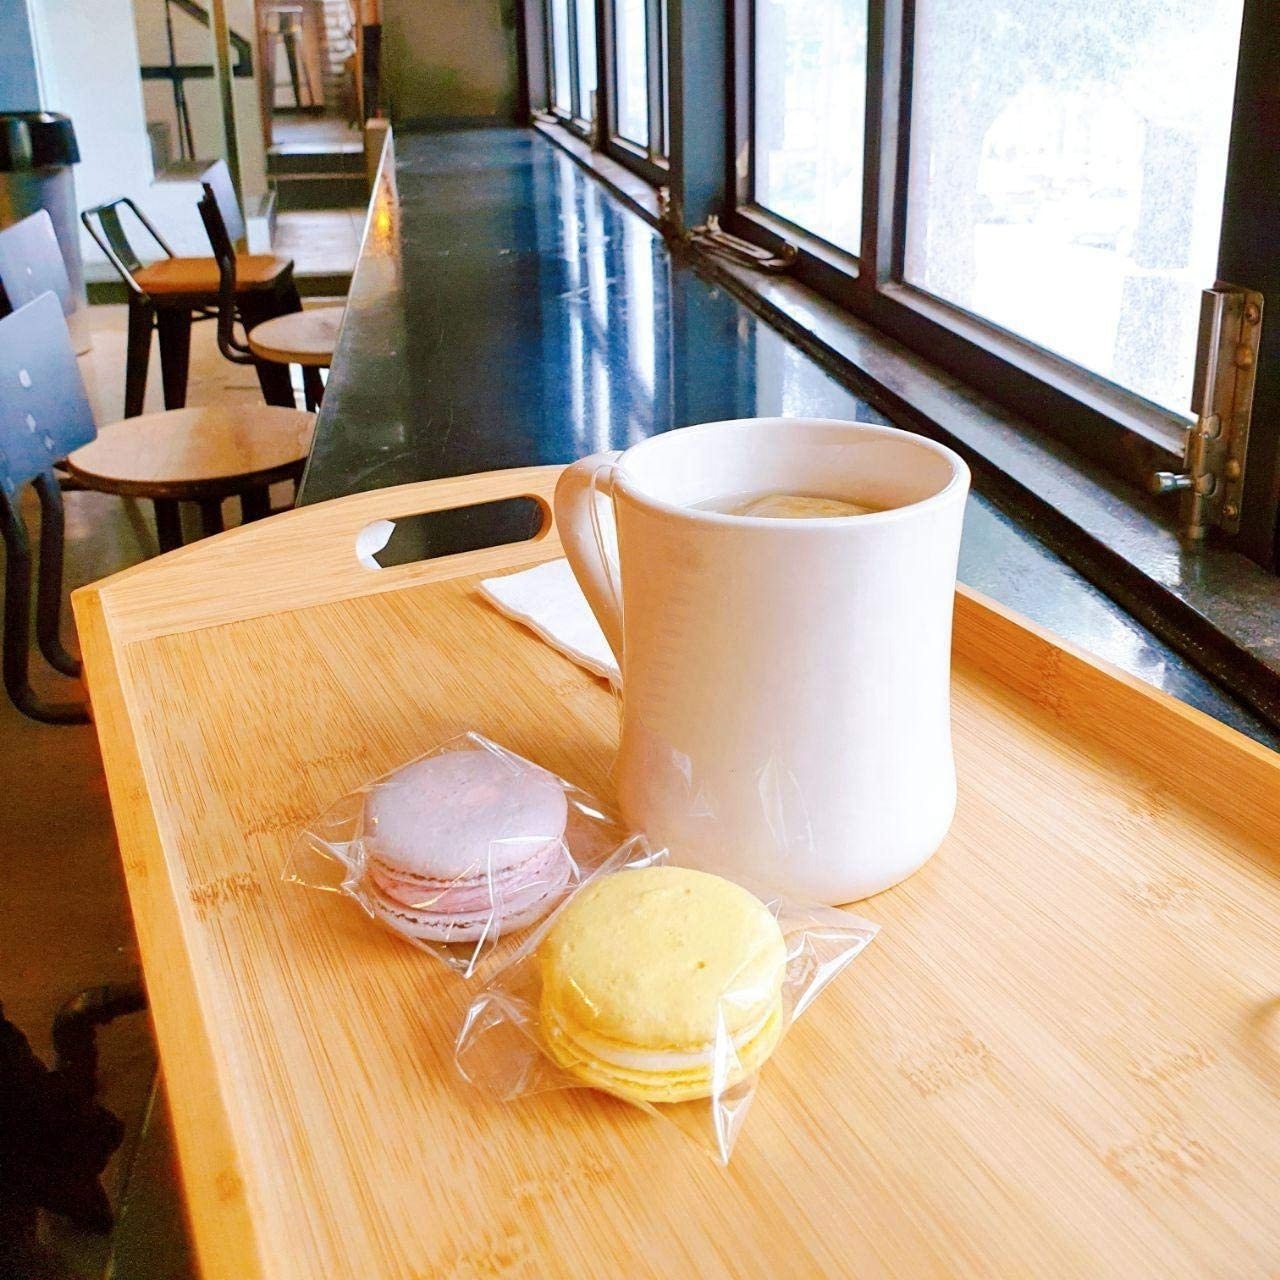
x=1061 y=1057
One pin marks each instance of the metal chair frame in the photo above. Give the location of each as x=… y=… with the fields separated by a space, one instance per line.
x=171 y=318
x=44 y=415
x=233 y=307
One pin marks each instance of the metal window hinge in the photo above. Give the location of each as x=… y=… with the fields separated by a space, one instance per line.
x=1212 y=478
x=712 y=238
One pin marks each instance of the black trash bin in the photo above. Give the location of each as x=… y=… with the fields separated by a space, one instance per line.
x=37 y=150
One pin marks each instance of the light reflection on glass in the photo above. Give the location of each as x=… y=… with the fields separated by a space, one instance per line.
x=561 y=86
x=586 y=13
x=630 y=40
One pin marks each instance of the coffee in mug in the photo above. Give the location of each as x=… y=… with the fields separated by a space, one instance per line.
x=785 y=506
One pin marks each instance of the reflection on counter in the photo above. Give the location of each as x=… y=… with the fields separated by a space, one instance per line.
x=508 y=311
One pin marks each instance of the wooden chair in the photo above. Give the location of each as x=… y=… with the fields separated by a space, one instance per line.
x=305 y=338
x=191 y=455
x=171 y=292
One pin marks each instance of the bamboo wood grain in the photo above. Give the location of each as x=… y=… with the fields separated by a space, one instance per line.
x=1061 y=1057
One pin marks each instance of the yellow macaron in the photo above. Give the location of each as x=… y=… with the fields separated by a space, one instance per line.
x=662 y=984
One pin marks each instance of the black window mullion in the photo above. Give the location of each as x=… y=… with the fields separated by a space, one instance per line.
x=880 y=145
x=1247 y=256
x=548 y=30
x=608 y=47
x=742 y=72
x=604 y=89
x=653 y=55
x=901 y=57
x=645 y=160
x=575 y=107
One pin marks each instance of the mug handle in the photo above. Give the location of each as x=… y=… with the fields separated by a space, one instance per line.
x=576 y=521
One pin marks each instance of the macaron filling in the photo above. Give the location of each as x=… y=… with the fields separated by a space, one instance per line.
x=654 y=1061
x=546 y=869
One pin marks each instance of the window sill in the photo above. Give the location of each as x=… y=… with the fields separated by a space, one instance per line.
x=1210 y=603
x=629 y=187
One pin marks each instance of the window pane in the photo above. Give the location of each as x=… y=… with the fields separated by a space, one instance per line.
x=810 y=103
x=633 y=85
x=1067 y=170
x=561 y=88
x=586 y=56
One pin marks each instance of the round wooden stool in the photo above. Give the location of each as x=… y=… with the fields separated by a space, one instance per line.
x=197 y=455
x=305 y=338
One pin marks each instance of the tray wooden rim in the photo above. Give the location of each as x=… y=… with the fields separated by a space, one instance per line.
x=171 y=594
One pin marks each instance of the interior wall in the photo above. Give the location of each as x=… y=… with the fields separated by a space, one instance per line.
x=19 y=86
x=88 y=56
x=449 y=59
x=193 y=43
x=89 y=70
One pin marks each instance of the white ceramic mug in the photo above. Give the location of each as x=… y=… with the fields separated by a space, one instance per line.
x=786 y=682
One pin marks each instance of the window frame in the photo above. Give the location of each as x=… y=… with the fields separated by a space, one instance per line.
x=709 y=69
x=1123 y=431
x=573 y=119
x=650 y=163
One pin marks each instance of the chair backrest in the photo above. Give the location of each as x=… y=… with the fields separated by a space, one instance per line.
x=44 y=408
x=225 y=255
x=103 y=223
x=224 y=251
x=31 y=263
x=216 y=180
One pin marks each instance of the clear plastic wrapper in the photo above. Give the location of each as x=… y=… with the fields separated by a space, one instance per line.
x=667 y=987
x=460 y=848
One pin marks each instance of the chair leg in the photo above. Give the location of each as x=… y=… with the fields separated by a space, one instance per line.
x=168 y=524
x=17 y=627
x=312 y=386
x=49 y=578
x=76 y=1023
x=255 y=504
x=174 y=324
x=211 y=517
x=141 y=321
x=254 y=308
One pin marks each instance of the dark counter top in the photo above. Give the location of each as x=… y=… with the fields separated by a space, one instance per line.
x=507 y=310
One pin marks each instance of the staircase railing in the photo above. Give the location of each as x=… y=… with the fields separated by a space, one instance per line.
x=178 y=73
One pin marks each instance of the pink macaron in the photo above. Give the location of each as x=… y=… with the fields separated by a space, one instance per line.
x=465 y=844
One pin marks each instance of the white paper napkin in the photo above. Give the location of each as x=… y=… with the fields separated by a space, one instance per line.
x=548 y=600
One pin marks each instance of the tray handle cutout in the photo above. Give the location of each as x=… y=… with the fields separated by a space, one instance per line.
x=428 y=535
x=319 y=554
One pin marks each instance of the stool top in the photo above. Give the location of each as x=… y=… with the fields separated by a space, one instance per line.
x=189 y=454
x=302 y=337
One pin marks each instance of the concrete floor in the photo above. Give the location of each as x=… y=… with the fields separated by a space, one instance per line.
x=308 y=135
x=320 y=241
x=67 y=920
